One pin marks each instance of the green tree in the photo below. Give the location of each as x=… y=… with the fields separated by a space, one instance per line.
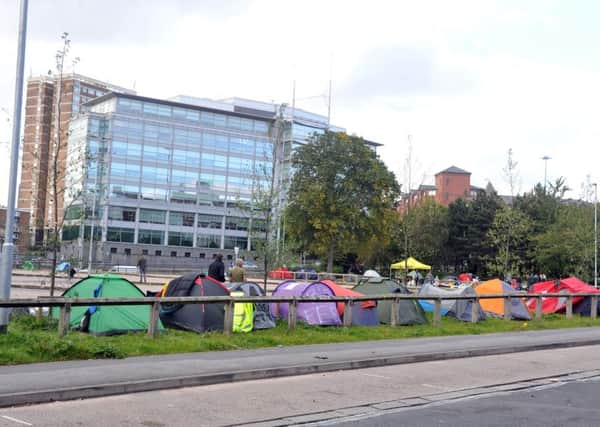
x=567 y=246
x=428 y=232
x=339 y=194
x=508 y=238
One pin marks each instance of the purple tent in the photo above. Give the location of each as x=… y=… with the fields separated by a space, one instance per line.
x=313 y=313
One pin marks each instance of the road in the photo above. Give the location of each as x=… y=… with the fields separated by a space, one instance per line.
x=376 y=396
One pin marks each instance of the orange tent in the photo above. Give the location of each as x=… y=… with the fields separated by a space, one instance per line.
x=495 y=306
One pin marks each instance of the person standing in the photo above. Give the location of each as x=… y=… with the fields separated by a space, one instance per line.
x=216 y=269
x=238 y=274
x=141 y=265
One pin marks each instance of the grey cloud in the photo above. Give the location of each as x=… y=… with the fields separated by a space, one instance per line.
x=114 y=21
x=404 y=71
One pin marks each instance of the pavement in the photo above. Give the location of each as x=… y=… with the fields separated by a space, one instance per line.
x=46 y=382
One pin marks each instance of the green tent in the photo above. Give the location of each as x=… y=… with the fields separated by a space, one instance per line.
x=410 y=311
x=107 y=319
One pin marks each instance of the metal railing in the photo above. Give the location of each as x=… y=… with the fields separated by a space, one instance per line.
x=65 y=305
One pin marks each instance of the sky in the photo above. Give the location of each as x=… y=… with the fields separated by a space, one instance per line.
x=467 y=80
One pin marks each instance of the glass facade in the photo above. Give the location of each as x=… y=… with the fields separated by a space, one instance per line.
x=175 y=174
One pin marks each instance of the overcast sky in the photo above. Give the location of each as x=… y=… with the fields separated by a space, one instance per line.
x=467 y=79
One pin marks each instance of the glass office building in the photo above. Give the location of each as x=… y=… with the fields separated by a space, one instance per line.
x=173 y=179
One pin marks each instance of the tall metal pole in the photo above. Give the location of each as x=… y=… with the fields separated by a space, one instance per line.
x=595 y=235
x=545 y=159
x=8 y=246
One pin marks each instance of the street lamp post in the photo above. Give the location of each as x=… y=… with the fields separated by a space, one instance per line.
x=8 y=246
x=595 y=235
x=545 y=159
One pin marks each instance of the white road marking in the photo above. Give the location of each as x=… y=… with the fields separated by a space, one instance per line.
x=435 y=386
x=16 y=420
x=373 y=375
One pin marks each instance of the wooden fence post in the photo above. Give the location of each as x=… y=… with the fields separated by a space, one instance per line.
x=228 y=320
x=292 y=314
x=538 y=308
x=507 y=313
x=437 y=312
x=394 y=312
x=348 y=313
x=594 y=307
x=475 y=310
x=569 y=306
x=64 y=320
x=153 y=320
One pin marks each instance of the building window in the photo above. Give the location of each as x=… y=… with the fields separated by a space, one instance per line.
x=173 y=253
x=144 y=251
x=236 y=223
x=202 y=255
x=151 y=237
x=113 y=250
x=117 y=234
x=209 y=221
x=127 y=251
x=209 y=241
x=181 y=218
x=152 y=216
x=187 y=254
x=233 y=241
x=158 y=253
x=121 y=214
x=181 y=239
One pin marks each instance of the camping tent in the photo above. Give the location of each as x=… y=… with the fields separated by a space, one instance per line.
x=106 y=319
x=410 y=264
x=460 y=308
x=409 y=311
x=263 y=319
x=313 y=313
x=581 y=305
x=495 y=306
x=194 y=317
x=371 y=273
x=363 y=313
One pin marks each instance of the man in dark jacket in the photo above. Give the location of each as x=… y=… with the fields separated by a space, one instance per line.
x=216 y=269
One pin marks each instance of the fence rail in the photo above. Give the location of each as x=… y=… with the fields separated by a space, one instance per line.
x=65 y=305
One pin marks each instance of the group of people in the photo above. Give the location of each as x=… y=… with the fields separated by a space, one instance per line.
x=216 y=269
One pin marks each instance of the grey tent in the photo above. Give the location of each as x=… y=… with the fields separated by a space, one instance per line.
x=460 y=308
x=263 y=319
x=409 y=313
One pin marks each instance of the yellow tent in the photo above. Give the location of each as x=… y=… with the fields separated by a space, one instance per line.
x=410 y=264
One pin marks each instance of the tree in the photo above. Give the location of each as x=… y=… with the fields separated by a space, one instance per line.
x=509 y=239
x=428 y=232
x=339 y=194
x=567 y=246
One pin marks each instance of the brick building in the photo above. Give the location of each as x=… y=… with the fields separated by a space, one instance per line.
x=40 y=130
x=451 y=184
x=20 y=232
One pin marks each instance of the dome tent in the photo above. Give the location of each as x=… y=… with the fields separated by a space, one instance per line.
x=409 y=311
x=459 y=308
x=106 y=319
x=364 y=313
x=313 y=313
x=495 y=306
x=194 y=317
x=263 y=319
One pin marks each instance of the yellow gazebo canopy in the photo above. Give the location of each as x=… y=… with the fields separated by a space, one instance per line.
x=410 y=264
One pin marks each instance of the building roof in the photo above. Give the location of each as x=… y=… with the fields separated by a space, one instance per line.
x=426 y=187
x=454 y=169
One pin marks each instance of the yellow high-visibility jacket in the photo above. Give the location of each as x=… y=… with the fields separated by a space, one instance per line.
x=243 y=314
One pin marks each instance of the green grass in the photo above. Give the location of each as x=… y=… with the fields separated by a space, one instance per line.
x=31 y=340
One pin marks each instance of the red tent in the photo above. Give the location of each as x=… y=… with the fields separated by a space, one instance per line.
x=570 y=285
x=340 y=291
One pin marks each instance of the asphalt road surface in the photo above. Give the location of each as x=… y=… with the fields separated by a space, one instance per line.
x=573 y=404
x=483 y=390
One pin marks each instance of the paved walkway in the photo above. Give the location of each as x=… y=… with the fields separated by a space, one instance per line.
x=44 y=382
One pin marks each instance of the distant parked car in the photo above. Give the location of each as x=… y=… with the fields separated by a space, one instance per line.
x=250 y=265
x=124 y=269
x=307 y=274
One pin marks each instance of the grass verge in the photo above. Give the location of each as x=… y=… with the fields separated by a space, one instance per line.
x=31 y=340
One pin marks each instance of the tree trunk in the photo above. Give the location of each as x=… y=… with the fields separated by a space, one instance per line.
x=330 y=252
